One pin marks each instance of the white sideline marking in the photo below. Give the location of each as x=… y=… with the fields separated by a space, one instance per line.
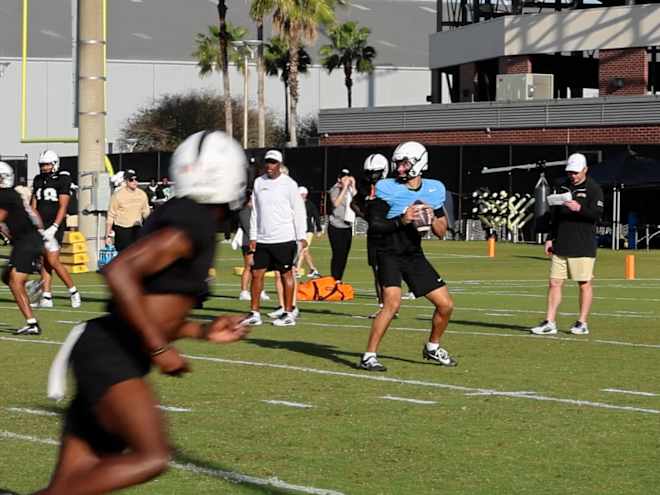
x=67 y=321
x=630 y=392
x=192 y=468
x=28 y=438
x=511 y=394
x=459 y=388
x=36 y=412
x=403 y=399
x=287 y=403
x=173 y=409
x=498 y=314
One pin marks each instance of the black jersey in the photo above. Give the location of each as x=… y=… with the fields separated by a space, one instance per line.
x=390 y=235
x=185 y=276
x=574 y=232
x=47 y=189
x=20 y=217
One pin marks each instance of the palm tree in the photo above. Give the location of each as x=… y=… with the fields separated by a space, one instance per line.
x=297 y=21
x=258 y=10
x=277 y=62
x=211 y=57
x=348 y=49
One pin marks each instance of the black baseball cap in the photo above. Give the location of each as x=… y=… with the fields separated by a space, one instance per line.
x=344 y=172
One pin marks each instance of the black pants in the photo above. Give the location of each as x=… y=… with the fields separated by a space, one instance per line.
x=125 y=236
x=340 y=242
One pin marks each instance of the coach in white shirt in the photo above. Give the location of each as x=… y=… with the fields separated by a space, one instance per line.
x=278 y=228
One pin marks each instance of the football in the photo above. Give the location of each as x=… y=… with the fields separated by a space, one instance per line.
x=423 y=218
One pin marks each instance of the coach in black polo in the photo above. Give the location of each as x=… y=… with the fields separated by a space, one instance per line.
x=572 y=243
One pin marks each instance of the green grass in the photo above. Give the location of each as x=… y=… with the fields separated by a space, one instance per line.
x=353 y=441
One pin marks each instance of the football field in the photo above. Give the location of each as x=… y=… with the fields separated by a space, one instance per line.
x=286 y=411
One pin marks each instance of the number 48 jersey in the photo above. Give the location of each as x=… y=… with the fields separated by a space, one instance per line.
x=47 y=189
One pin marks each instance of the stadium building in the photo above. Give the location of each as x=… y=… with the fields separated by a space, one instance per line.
x=523 y=72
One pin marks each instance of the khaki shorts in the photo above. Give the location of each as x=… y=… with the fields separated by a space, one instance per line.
x=578 y=269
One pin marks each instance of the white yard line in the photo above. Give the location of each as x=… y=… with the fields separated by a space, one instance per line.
x=421 y=383
x=630 y=392
x=193 y=468
x=289 y=404
x=413 y=401
x=173 y=409
x=36 y=412
x=68 y=322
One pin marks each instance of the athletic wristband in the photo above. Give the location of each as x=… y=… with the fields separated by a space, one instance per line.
x=159 y=350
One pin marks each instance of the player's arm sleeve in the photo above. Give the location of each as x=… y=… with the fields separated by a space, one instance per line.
x=253 y=219
x=377 y=218
x=299 y=212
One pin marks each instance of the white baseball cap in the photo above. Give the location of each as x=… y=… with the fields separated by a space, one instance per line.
x=576 y=163
x=274 y=155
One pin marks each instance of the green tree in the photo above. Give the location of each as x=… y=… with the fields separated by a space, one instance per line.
x=170 y=119
x=277 y=62
x=214 y=51
x=298 y=21
x=348 y=49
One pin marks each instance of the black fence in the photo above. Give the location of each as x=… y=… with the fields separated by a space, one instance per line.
x=459 y=167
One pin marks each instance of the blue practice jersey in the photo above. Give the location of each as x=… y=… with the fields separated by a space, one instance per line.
x=399 y=196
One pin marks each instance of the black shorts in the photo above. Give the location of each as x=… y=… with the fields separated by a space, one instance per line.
x=107 y=353
x=415 y=269
x=278 y=256
x=26 y=253
x=59 y=235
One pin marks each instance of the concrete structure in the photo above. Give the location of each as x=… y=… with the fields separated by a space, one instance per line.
x=149 y=54
x=607 y=53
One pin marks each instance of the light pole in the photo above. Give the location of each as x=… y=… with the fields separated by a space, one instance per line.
x=246 y=48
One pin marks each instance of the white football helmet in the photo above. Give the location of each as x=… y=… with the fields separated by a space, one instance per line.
x=375 y=167
x=49 y=156
x=415 y=153
x=6 y=176
x=211 y=168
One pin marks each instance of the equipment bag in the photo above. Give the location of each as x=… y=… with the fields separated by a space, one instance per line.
x=324 y=289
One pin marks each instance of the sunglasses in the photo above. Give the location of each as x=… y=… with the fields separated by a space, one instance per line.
x=132 y=179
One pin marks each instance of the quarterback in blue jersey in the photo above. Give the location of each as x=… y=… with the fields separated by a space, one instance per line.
x=414 y=206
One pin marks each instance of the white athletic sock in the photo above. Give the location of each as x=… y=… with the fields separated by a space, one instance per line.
x=368 y=355
x=31 y=321
x=47 y=295
x=73 y=290
x=432 y=346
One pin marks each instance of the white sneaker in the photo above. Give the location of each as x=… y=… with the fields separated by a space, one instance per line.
x=244 y=296
x=545 y=328
x=29 y=329
x=295 y=312
x=44 y=302
x=277 y=313
x=580 y=328
x=75 y=299
x=254 y=319
x=34 y=289
x=264 y=296
x=286 y=320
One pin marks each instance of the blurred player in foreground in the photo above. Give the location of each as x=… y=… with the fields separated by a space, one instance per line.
x=114 y=436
